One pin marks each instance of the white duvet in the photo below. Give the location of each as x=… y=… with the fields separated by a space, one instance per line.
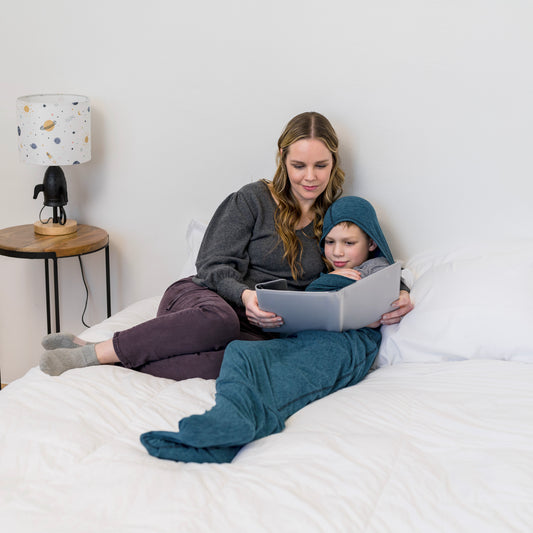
x=438 y=439
x=414 y=447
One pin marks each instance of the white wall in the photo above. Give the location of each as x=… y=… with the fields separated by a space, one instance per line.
x=432 y=101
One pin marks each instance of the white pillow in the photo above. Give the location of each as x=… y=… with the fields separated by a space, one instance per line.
x=194 y=235
x=469 y=304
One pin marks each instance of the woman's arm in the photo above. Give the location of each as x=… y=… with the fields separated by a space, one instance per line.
x=223 y=259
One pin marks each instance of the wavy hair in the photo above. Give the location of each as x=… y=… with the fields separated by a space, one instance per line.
x=309 y=125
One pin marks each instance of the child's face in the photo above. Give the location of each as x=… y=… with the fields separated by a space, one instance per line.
x=347 y=246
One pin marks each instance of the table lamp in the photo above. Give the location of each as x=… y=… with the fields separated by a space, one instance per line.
x=54 y=130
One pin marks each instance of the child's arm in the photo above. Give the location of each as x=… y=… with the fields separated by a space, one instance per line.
x=364 y=269
x=348 y=273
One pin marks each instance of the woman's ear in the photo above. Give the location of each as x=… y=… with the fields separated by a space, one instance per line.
x=372 y=245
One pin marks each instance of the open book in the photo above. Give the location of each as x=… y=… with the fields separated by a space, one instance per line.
x=352 y=307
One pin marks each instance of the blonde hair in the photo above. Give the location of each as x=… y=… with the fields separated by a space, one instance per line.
x=309 y=125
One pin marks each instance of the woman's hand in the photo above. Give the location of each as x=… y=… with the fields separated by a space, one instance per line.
x=256 y=315
x=403 y=305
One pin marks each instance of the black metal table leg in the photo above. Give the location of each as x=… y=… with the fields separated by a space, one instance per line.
x=47 y=284
x=56 y=294
x=107 y=281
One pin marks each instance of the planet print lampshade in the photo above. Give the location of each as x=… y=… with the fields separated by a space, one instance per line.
x=54 y=130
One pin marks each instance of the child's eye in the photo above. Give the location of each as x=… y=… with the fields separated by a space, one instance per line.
x=328 y=243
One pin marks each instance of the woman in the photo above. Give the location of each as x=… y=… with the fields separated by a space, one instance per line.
x=264 y=231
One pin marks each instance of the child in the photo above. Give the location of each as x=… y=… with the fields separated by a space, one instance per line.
x=262 y=383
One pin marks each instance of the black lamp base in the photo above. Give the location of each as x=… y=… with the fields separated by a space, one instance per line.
x=54 y=189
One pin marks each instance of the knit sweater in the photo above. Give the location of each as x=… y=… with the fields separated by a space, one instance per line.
x=242 y=248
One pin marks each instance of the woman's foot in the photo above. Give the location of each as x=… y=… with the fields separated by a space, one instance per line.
x=61 y=340
x=55 y=362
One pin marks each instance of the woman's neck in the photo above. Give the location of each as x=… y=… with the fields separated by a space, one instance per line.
x=306 y=217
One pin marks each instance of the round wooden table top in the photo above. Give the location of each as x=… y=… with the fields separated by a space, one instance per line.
x=23 y=241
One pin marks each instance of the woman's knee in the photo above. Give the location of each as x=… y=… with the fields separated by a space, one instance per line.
x=200 y=311
x=221 y=319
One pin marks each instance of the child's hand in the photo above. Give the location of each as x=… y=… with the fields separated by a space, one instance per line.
x=256 y=315
x=348 y=273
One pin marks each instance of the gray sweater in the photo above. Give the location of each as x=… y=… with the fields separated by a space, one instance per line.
x=241 y=246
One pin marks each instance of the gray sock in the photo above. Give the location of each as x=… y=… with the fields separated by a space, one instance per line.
x=59 y=340
x=55 y=362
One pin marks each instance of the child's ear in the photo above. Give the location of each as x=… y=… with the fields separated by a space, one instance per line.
x=372 y=245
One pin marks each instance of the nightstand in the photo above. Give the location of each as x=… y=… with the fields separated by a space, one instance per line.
x=23 y=242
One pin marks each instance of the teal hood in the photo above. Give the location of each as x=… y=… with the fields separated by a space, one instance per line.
x=359 y=211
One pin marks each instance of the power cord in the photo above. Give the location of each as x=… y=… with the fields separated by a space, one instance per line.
x=86 y=294
x=62 y=216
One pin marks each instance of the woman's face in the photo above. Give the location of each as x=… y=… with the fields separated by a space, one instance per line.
x=309 y=163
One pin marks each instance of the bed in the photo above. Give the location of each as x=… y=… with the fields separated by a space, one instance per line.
x=437 y=438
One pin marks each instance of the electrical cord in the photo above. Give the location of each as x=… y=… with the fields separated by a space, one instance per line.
x=40 y=219
x=86 y=294
x=62 y=216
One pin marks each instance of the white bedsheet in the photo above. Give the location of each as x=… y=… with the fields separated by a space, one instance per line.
x=414 y=447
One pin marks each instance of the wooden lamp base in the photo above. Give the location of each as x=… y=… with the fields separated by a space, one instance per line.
x=70 y=226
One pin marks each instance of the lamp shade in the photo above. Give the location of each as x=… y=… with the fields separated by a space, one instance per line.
x=54 y=129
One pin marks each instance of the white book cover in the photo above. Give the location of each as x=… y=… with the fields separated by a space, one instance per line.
x=352 y=307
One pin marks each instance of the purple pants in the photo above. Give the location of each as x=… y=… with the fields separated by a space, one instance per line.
x=187 y=338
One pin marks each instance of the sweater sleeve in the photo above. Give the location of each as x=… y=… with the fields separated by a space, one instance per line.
x=223 y=257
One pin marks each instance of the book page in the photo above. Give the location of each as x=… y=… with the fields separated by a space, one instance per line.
x=352 y=307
